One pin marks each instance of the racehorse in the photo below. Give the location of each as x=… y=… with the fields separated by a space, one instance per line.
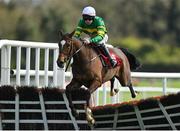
x=87 y=70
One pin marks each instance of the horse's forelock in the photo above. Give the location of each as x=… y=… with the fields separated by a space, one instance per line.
x=66 y=36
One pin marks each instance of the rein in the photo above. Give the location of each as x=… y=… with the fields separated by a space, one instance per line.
x=71 y=56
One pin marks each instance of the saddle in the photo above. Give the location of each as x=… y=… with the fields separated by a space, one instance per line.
x=133 y=61
x=104 y=59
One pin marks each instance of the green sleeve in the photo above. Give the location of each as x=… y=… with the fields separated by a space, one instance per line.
x=78 y=30
x=101 y=31
x=96 y=39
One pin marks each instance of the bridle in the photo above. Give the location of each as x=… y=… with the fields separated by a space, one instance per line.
x=76 y=52
x=69 y=53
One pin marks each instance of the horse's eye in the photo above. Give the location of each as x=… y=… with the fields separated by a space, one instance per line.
x=68 y=45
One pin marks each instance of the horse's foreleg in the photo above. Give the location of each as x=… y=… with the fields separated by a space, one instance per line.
x=69 y=96
x=89 y=116
x=113 y=91
x=69 y=88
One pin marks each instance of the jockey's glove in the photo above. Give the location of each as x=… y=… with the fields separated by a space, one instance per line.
x=86 y=40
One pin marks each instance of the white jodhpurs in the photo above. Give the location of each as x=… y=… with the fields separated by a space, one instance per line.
x=104 y=40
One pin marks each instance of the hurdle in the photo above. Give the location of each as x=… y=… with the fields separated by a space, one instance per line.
x=32 y=108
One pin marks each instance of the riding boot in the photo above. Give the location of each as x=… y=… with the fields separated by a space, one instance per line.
x=112 y=61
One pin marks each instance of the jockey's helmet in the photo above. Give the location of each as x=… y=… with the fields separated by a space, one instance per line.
x=90 y=11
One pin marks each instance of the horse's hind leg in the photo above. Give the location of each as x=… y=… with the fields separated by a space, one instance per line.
x=113 y=91
x=133 y=94
x=125 y=80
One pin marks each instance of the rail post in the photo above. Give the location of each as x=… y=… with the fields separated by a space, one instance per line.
x=164 y=85
x=55 y=55
x=5 y=65
x=61 y=77
x=28 y=58
x=18 y=65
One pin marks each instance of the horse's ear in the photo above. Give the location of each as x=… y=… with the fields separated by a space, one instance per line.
x=60 y=33
x=71 y=34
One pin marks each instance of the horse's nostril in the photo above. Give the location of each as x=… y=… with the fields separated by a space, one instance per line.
x=60 y=64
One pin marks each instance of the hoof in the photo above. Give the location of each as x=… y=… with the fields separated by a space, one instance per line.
x=75 y=113
x=137 y=92
x=89 y=117
x=133 y=95
x=116 y=90
x=113 y=93
x=91 y=122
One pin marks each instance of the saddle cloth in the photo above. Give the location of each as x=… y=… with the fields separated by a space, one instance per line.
x=104 y=59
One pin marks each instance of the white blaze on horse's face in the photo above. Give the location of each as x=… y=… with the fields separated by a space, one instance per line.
x=63 y=42
x=61 y=55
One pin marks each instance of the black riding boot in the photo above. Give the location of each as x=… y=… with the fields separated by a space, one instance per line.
x=112 y=61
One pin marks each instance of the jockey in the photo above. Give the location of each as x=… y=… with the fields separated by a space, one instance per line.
x=94 y=26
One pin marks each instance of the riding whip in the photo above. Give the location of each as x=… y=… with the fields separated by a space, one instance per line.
x=68 y=64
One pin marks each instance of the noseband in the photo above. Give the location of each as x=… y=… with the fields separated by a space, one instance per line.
x=71 y=56
x=71 y=43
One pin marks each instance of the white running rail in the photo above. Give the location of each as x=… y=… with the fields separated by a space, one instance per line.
x=57 y=75
x=6 y=59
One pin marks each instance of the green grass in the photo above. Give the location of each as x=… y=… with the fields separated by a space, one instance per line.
x=141 y=82
x=126 y=96
x=173 y=83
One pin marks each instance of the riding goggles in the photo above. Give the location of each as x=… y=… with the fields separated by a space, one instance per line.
x=87 y=17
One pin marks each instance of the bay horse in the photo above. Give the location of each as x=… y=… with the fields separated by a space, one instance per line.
x=88 y=70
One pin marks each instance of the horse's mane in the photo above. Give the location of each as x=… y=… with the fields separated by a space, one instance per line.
x=81 y=42
x=77 y=39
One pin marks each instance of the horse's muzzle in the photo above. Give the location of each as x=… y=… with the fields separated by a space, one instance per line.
x=60 y=64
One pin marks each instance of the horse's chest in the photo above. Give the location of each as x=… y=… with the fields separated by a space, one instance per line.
x=82 y=75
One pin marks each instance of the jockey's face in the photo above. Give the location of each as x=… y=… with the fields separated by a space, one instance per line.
x=88 y=19
x=88 y=22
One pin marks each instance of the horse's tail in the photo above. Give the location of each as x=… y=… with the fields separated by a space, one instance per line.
x=133 y=61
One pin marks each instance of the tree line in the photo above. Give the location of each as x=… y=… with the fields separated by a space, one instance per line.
x=155 y=19
x=150 y=22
